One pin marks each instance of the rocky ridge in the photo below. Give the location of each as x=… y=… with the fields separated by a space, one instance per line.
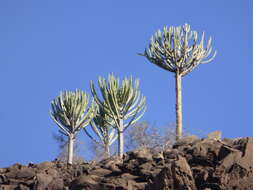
x=192 y=164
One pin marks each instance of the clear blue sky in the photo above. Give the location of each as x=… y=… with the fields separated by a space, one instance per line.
x=48 y=46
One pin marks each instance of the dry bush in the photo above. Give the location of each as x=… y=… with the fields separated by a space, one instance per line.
x=140 y=135
x=157 y=139
x=143 y=134
x=98 y=153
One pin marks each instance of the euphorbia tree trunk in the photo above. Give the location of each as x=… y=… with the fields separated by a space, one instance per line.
x=179 y=119
x=121 y=139
x=107 y=150
x=71 y=148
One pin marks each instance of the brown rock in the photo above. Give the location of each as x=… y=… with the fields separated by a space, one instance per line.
x=183 y=178
x=170 y=155
x=112 y=164
x=14 y=167
x=42 y=181
x=158 y=157
x=22 y=187
x=204 y=152
x=225 y=151
x=26 y=173
x=139 y=186
x=2 y=170
x=146 y=166
x=45 y=165
x=87 y=182
x=131 y=166
x=163 y=181
x=128 y=176
x=185 y=140
x=247 y=155
x=52 y=172
x=118 y=183
x=56 y=184
x=12 y=171
x=146 y=173
x=143 y=154
x=100 y=172
x=8 y=187
x=231 y=159
x=3 y=179
x=175 y=176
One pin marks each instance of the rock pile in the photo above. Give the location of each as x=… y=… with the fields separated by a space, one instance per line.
x=192 y=164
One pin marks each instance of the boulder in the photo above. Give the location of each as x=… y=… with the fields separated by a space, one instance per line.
x=175 y=176
x=26 y=173
x=45 y=165
x=56 y=184
x=22 y=187
x=42 y=181
x=8 y=187
x=185 y=140
x=87 y=182
x=142 y=154
x=118 y=183
x=100 y=172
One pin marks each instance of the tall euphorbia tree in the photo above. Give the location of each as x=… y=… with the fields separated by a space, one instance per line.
x=71 y=112
x=177 y=50
x=103 y=126
x=123 y=103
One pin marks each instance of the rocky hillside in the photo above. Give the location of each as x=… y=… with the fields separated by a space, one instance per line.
x=201 y=164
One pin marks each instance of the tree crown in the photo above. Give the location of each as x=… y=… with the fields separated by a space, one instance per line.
x=177 y=49
x=71 y=111
x=120 y=101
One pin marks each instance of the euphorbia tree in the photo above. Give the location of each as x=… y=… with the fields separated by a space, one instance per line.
x=123 y=103
x=71 y=112
x=103 y=127
x=177 y=50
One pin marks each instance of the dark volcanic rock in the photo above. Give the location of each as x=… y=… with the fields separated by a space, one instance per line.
x=192 y=164
x=89 y=182
x=221 y=164
x=174 y=176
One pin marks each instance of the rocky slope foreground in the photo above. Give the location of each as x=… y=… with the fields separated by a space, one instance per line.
x=204 y=164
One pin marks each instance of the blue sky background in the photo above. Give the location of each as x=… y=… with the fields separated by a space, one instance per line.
x=53 y=45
